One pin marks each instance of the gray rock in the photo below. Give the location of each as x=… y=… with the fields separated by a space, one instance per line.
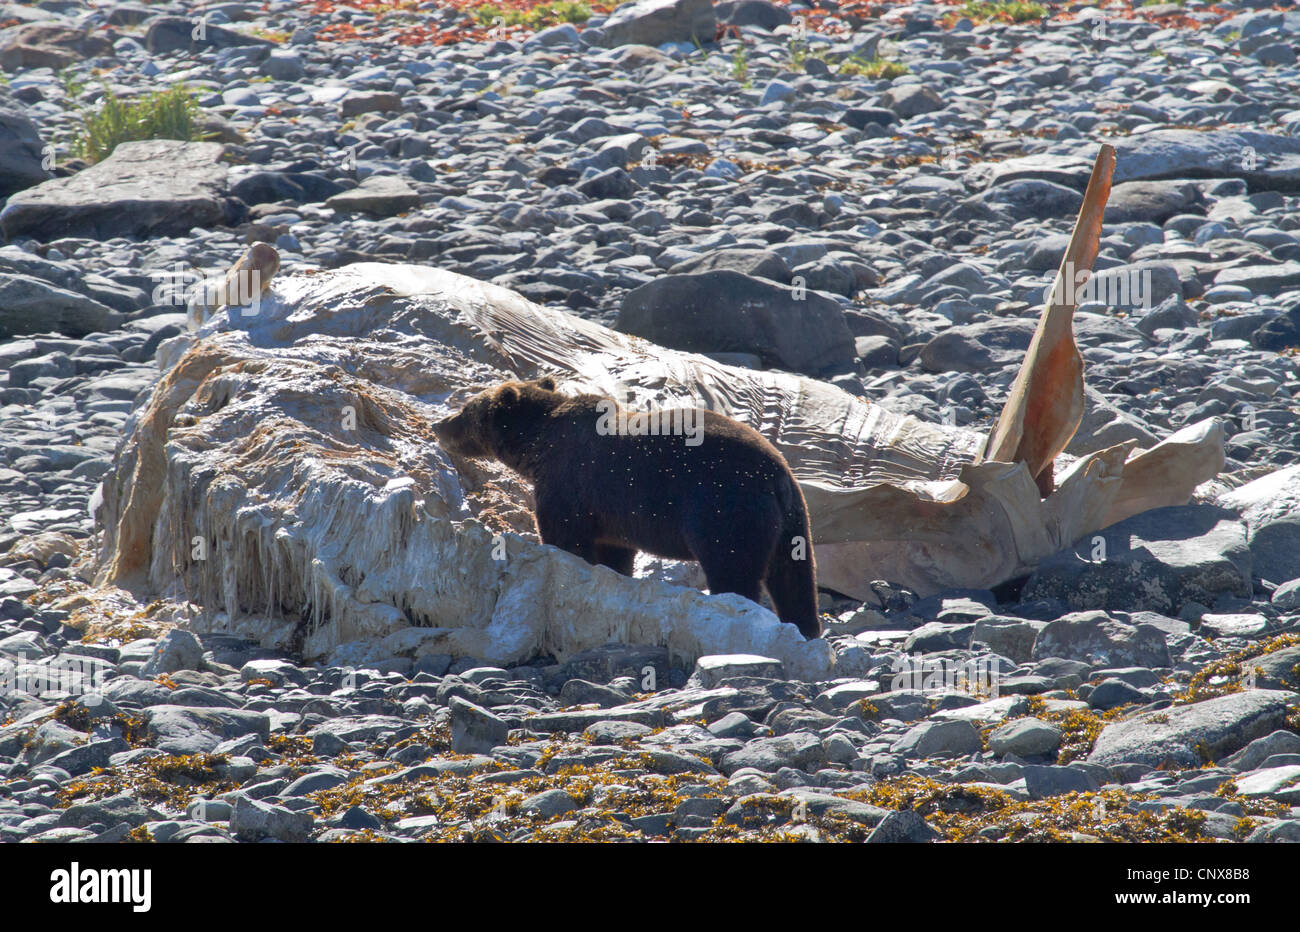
x=575 y=721
x=82 y=759
x=904 y=826
x=820 y=805
x=725 y=311
x=109 y=811
x=1181 y=735
x=254 y=820
x=20 y=152
x=654 y=22
x=1170 y=314
x=1025 y=737
x=28 y=305
x=761 y=13
x=184 y=730
x=990 y=344
x=799 y=750
x=1286 y=597
x=548 y=804
x=180 y=34
x=937 y=636
x=1025 y=199
x=614 y=732
x=178 y=649
x=284 y=65
x=733 y=725
x=613 y=183
x=713 y=668
x=911 y=100
x=1098 y=639
x=1270 y=508
x=157 y=187
x=475 y=730
x=1111 y=693
x=1262 y=279
x=1279 y=669
x=1008 y=637
x=954 y=738
x=1042 y=782
x=581 y=692
x=1179 y=153
x=1276 y=831
x=1155 y=561
x=323 y=778
x=381 y=195
x=1151 y=201
x=49 y=45
x=762 y=263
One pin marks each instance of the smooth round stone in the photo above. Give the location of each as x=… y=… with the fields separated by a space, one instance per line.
x=1269 y=238
x=1223 y=294
x=241 y=97
x=1234 y=625
x=1208 y=231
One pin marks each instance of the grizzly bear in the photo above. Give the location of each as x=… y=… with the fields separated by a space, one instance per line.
x=684 y=483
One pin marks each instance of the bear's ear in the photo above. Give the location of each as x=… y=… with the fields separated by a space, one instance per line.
x=546 y=382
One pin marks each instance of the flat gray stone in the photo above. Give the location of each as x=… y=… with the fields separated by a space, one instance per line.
x=157 y=187
x=1180 y=735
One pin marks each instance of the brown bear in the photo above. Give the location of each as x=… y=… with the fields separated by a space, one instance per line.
x=683 y=483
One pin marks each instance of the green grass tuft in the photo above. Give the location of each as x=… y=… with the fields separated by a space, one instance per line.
x=875 y=68
x=169 y=114
x=1014 y=11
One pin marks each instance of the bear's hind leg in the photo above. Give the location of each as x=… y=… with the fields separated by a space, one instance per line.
x=737 y=564
x=794 y=593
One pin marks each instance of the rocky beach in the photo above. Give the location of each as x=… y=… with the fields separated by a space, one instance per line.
x=874 y=196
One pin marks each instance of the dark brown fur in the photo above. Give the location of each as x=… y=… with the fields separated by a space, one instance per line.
x=731 y=502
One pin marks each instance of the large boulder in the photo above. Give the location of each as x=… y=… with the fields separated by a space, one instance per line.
x=1152 y=201
x=1155 y=561
x=155 y=187
x=727 y=312
x=1021 y=199
x=49 y=45
x=988 y=344
x=1270 y=507
x=185 y=34
x=747 y=260
x=654 y=22
x=1263 y=160
x=382 y=195
x=1189 y=736
x=1098 y=639
x=30 y=305
x=20 y=150
x=69 y=276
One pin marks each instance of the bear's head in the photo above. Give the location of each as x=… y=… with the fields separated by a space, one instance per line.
x=501 y=422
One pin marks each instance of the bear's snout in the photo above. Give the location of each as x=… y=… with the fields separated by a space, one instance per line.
x=454 y=437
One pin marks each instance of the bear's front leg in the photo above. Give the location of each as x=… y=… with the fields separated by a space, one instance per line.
x=558 y=527
x=618 y=559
